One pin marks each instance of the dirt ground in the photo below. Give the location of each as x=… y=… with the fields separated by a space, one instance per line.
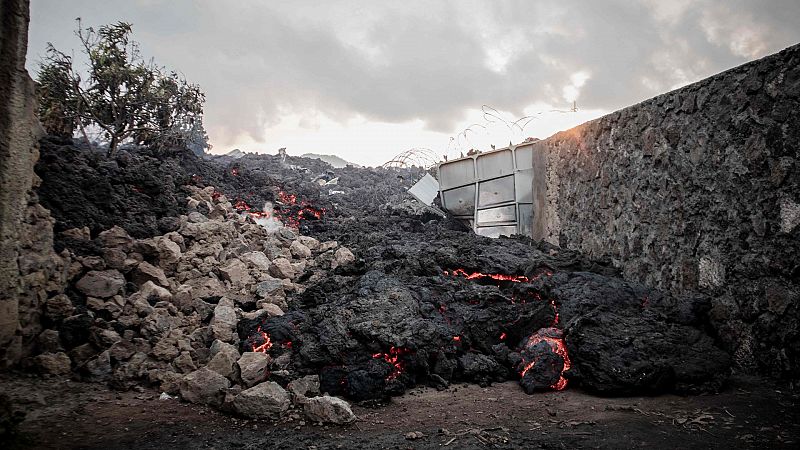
x=749 y=414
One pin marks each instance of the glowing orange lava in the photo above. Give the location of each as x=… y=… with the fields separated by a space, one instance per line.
x=557 y=346
x=293 y=216
x=552 y=335
x=244 y=208
x=393 y=358
x=262 y=348
x=497 y=276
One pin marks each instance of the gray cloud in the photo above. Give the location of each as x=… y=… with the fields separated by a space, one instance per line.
x=409 y=60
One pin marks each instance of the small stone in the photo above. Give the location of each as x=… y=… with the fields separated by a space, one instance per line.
x=253 y=367
x=299 y=250
x=206 y=287
x=165 y=350
x=184 y=363
x=49 y=341
x=122 y=350
x=223 y=359
x=327 y=409
x=99 y=368
x=151 y=292
x=115 y=237
x=328 y=245
x=223 y=325
x=79 y=234
x=414 y=435
x=305 y=387
x=58 y=308
x=105 y=338
x=270 y=287
x=286 y=234
x=54 y=363
x=282 y=268
x=115 y=258
x=102 y=284
x=145 y=272
x=169 y=252
x=257 y=260
x=271 y=310
x=93 y=262
x=236 y=272
x=342 y=257
x=196 y=217
x=264 y=400
x=204 y=386
x=309 y=242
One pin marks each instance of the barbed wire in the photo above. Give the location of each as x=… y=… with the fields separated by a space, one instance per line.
x=418 y=156
x=492 y=116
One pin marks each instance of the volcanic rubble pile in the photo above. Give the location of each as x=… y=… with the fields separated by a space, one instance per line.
x=234 y=307
x=144 y=191
x=164 y=311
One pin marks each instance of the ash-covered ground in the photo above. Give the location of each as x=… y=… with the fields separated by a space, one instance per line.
x=346 y=288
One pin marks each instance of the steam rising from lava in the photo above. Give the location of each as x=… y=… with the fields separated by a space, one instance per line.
x=290 y=214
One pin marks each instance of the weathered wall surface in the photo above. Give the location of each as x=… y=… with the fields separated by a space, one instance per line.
x=29 y=271
x=696 y=190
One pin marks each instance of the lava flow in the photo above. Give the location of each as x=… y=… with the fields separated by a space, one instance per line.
x=493 y=276
x=555 y=340
x=496 y=276
x=552 y=336
x=393 y=358
x=244 y=208
x=266 y=342
x=293 y=215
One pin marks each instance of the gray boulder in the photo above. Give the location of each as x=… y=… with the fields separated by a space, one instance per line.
x=101 y=283
x=115 y=237
x=53 y=363
x=204 y=386
x=223 y=359
x=264 y=400
x=253 y=367
x=342 y=257
x=223 y=325
x=328 y=409
x=305 y=387
x=145 y=272
x=299 y=250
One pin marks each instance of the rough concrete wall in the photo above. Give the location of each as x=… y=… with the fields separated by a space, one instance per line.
x=696 y=190
x=29 y=271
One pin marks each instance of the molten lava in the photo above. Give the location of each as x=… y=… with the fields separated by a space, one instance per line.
x=553 y=337
x=291 y=215
x=244 y=208
x=493 y=276
x=266 y=342
x=497 y=276
x=295 y=211
x=393 y=358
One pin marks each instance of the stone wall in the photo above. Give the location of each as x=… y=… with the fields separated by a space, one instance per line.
x=695 y=190
x=29 y=270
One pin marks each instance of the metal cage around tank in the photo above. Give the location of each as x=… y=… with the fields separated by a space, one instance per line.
x=492 y=191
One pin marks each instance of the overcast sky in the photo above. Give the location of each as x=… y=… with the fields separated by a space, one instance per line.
x=367 y=80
